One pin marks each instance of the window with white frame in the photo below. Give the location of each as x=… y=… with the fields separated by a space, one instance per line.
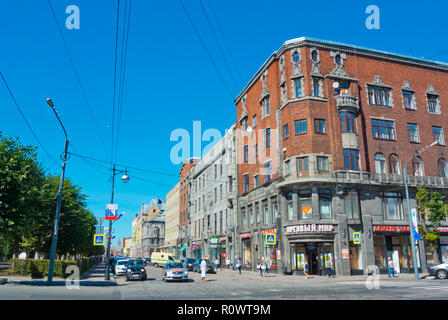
x=265 y=107
x=433 y=103
x=378 y=96
x=437 y=133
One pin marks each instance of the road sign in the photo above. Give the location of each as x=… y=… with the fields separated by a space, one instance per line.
x=98 y=239
x=356 y=237
x=270 y=239
x=111 y=211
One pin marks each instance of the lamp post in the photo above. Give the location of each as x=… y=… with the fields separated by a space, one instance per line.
x=414 y=253
x=125 y=179
x=54 y=240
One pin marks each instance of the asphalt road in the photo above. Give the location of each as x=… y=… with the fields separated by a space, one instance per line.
x=228 y=285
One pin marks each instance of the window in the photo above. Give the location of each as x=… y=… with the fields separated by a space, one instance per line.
x=267 y=138
x=383 y=129
x=220 y=192
x=305 y=205
x=408 y=100
x=316 y=87
x=254 y=121
x=216 y=171
x=443 y=168
x=437 y=134
x=256 y=180
x=394 y=164
x=298 y=87
x=266 y=213
x=216 y=195
x=288 y=166
x=268 y=170
x=417 y=166
x=220 y=222
x=230 y=184
x=300 y=126
x=380 y=163
x=265 y=107
x=351 y=159
x=290 y=206
x=378 y=96
x=245 y=153
x=244 y=222
x=322 y=163
x=351 y=205
x=285 y=131
x=413 y=133
x=244 y=124
x=314 y=56
x=347 y=121
x=433 y=103
x=296 y=57
x=257 y=212
x=324 y=204
x=256 y=150
x=302 y=164
x=283 y=91
x=251 y=215
x=246 y=182
x=392 y=209
x=319 y=126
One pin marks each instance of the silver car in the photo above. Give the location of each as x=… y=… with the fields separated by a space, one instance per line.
x=440 y=271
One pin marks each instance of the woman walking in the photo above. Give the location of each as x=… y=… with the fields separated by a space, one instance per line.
x=305 y=270
x=238 y=265
x=203 y=269
x=266 y=265
x=260 y=270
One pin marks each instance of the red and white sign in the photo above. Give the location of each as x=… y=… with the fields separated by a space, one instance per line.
x=345 y=254
x=263 y=232
x=391 y=228
x=245 y=236
x=306 y=228
x=442 y=229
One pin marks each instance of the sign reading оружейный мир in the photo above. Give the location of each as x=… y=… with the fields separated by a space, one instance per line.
x=306 y=228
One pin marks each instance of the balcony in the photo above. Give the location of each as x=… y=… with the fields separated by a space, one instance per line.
x=344 y=102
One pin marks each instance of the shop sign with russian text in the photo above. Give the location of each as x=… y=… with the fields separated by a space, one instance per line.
x=391 y=228
x=307 y=228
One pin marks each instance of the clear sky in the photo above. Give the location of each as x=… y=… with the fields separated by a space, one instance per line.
x=170 y=81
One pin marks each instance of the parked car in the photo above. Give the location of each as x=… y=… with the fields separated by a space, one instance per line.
x=114 y=261
x=121 y=266
x=188 y=264
x=197 y=266
x=147 y=260
x=174 y=271
x=135 y=270
x=440 y=271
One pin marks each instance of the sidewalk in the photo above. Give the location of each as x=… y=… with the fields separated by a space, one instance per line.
x=93 y=277
x=253 y=275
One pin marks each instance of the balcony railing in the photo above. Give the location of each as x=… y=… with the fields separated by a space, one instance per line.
x=345 y=101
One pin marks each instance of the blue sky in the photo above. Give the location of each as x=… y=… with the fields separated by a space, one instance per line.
x=170 y=81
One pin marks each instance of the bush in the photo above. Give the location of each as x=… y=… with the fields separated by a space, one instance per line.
x=39 y=268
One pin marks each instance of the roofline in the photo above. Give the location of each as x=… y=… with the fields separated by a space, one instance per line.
x=359 y=50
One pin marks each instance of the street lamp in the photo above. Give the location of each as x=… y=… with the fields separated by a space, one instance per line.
x=54 y=240
x=414 y=253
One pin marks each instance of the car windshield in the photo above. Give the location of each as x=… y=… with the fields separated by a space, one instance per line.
x=172 y=265
x=122 y=262
x=135 y=263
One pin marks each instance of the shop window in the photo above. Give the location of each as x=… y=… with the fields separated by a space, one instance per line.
x=351 y=205
x=392 y=206
x=298 y=257
x=325 y=204
x=355 y=256
x=305 y=207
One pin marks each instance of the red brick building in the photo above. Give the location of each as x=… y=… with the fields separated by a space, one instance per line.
x=332 y=127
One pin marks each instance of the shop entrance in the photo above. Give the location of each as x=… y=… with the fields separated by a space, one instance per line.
x=318 y=256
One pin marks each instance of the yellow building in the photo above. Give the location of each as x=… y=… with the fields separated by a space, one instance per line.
x=172 y=220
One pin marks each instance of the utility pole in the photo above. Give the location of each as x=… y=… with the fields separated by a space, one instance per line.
x=54 y=240
x=107 y=276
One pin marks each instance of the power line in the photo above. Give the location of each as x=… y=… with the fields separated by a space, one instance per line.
x=438 y=54
x=88 y=162
x=217 y=42
x=26 y=121
x=206 y=50
x=67 y=50
x=225 y=40
x=115 y=81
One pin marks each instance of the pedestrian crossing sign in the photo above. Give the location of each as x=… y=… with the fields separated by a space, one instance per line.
x=356 y=237
x=98 y=239
x=270 y=239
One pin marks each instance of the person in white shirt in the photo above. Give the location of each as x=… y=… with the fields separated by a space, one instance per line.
x=203 y=269
x=228 y=263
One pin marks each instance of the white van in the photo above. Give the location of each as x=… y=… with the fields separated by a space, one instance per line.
x=161 y=258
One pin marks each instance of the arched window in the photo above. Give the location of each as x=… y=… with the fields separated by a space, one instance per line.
x=443 y=167
x=394 y=164
x=417 y=166
x=380 y=163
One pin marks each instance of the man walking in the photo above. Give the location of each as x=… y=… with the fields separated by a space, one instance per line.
x=390 y=267
x=260 y=270
x=228 y=263
x=238 y=265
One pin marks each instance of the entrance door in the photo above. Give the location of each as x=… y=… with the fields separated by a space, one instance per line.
x=311 y=251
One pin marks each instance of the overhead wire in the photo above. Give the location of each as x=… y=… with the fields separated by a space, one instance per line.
x=25 y=119
x=115 y=82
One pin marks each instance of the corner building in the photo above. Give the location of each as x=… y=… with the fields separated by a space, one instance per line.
x=324 y=130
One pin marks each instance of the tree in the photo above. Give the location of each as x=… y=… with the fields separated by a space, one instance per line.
x=432 y=211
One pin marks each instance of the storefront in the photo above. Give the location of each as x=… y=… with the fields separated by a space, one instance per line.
x=221 y=250
x=270 y=252
x=443 y=244
x=197 y=252
x=311 y=244
x=393 y=242
x=246 y=250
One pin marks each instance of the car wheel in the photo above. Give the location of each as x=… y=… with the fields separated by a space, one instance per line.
x=441 y=274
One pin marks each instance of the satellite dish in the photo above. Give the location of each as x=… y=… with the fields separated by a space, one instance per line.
x=336 y=85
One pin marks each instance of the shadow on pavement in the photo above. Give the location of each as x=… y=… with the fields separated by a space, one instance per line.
x=62 y=283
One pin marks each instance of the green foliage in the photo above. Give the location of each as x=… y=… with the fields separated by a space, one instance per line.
x=39 y=268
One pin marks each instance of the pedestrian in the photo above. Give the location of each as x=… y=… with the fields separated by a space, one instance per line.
x=266 y=266
x=390 y=267
x=228 y=263
x=216 y=263
x=203 y=269
x=305 y=270
x=260 y=270
x=239 y=265
x=328 y=265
